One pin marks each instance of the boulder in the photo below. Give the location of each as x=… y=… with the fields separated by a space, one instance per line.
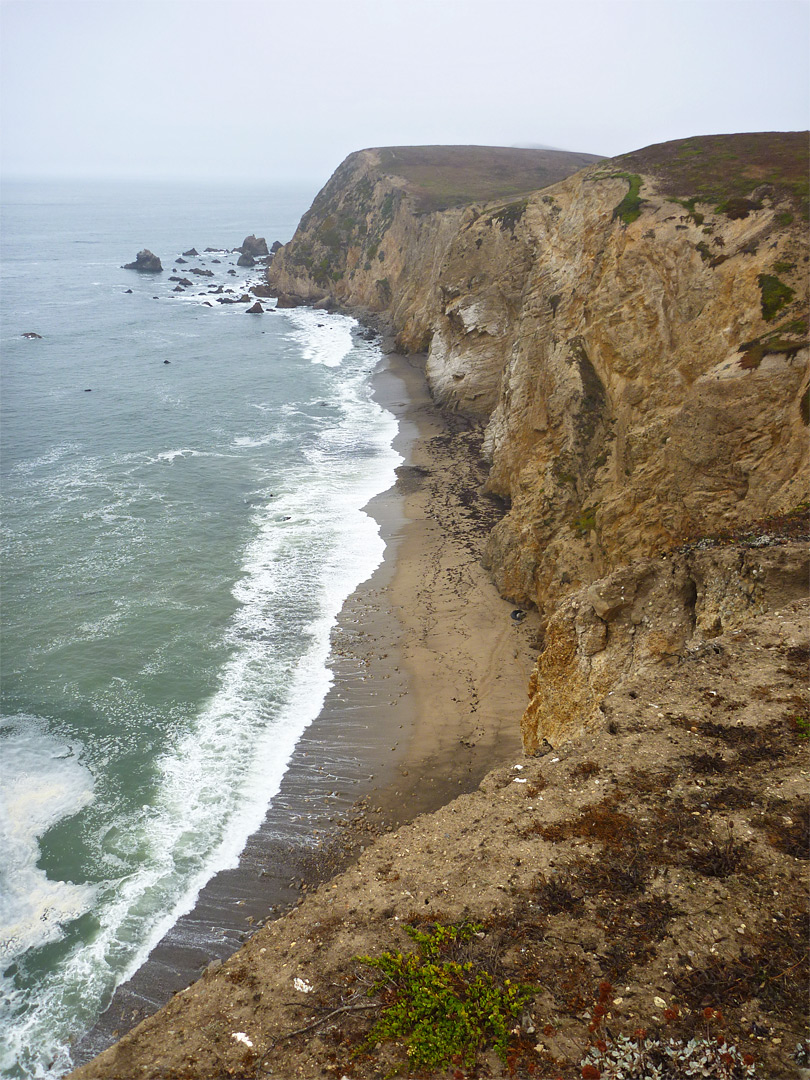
x=275 y=246
x=146 y=262
x=256 y=309
x=245 y=259
x=181 y=261
x=254 y=245
x=192 y=252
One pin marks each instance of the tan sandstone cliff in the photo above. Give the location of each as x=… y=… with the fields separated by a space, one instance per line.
x=633 y=338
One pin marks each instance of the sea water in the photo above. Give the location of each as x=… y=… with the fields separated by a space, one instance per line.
x=177 y=540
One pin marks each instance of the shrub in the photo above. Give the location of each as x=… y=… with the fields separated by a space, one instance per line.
x=630 y=207
x=775 y=295
x=443 y=1009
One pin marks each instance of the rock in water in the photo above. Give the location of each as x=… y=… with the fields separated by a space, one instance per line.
x=191 y=251
x=245 y=259
x=146 y=262
x=30 y=334
x=256 y=309
x=254 y=245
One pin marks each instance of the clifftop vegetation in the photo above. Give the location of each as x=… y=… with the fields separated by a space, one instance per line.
x=728 y=171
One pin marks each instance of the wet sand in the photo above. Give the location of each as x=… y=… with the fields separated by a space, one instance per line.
x=430 y=676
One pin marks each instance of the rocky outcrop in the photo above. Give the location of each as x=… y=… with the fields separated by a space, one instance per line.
x=146 y=262
x=255 y=246
x=653 y=614
x=634 y=342
x=245 y=259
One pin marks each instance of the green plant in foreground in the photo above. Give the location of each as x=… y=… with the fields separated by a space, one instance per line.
x=445 y=1010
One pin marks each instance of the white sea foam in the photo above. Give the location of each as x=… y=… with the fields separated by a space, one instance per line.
x=324 y=338
x=44 y=460
x=41 y=782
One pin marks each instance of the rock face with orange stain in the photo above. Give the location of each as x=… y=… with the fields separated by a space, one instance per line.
x=633 y=338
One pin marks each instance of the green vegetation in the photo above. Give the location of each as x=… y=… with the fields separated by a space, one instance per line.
x=630 y=207
x=689 y=205
x=446 y=1010
x=775 y=295
x=717 y=169
x=508 y=216
x=585 y=522
x=737 y=208
x=786 y=339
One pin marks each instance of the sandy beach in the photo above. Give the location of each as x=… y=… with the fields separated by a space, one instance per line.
x=430 y=675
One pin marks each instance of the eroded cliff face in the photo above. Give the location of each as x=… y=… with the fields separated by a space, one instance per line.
x=653 y=614
x=638 y=356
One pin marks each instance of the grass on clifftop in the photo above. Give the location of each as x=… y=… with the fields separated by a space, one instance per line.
x=723 y=169
x=445 y=176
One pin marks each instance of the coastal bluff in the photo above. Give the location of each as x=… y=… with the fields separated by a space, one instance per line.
x=618 y=352
x=632 y=339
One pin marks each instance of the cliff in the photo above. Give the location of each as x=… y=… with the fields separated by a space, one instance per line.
x=633 y=339
x=628 y=343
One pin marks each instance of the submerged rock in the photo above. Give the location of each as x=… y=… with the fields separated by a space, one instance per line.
x=146 y=262
x=30 y=334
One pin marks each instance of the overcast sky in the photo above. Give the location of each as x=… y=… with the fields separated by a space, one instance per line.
x=283 y=89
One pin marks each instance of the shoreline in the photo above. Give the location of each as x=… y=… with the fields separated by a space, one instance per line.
x=430 y=678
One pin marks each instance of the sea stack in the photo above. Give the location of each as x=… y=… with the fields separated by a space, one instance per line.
x=255 y=246
x=146 y=262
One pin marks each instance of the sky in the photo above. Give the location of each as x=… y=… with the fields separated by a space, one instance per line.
x=285 y=89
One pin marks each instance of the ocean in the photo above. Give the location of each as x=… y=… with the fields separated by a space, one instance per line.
x=177 y=541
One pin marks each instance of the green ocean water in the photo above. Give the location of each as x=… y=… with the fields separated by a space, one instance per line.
x=177 y=539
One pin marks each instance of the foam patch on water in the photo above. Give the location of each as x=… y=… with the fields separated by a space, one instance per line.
x=324 y=338
x=41 y=782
